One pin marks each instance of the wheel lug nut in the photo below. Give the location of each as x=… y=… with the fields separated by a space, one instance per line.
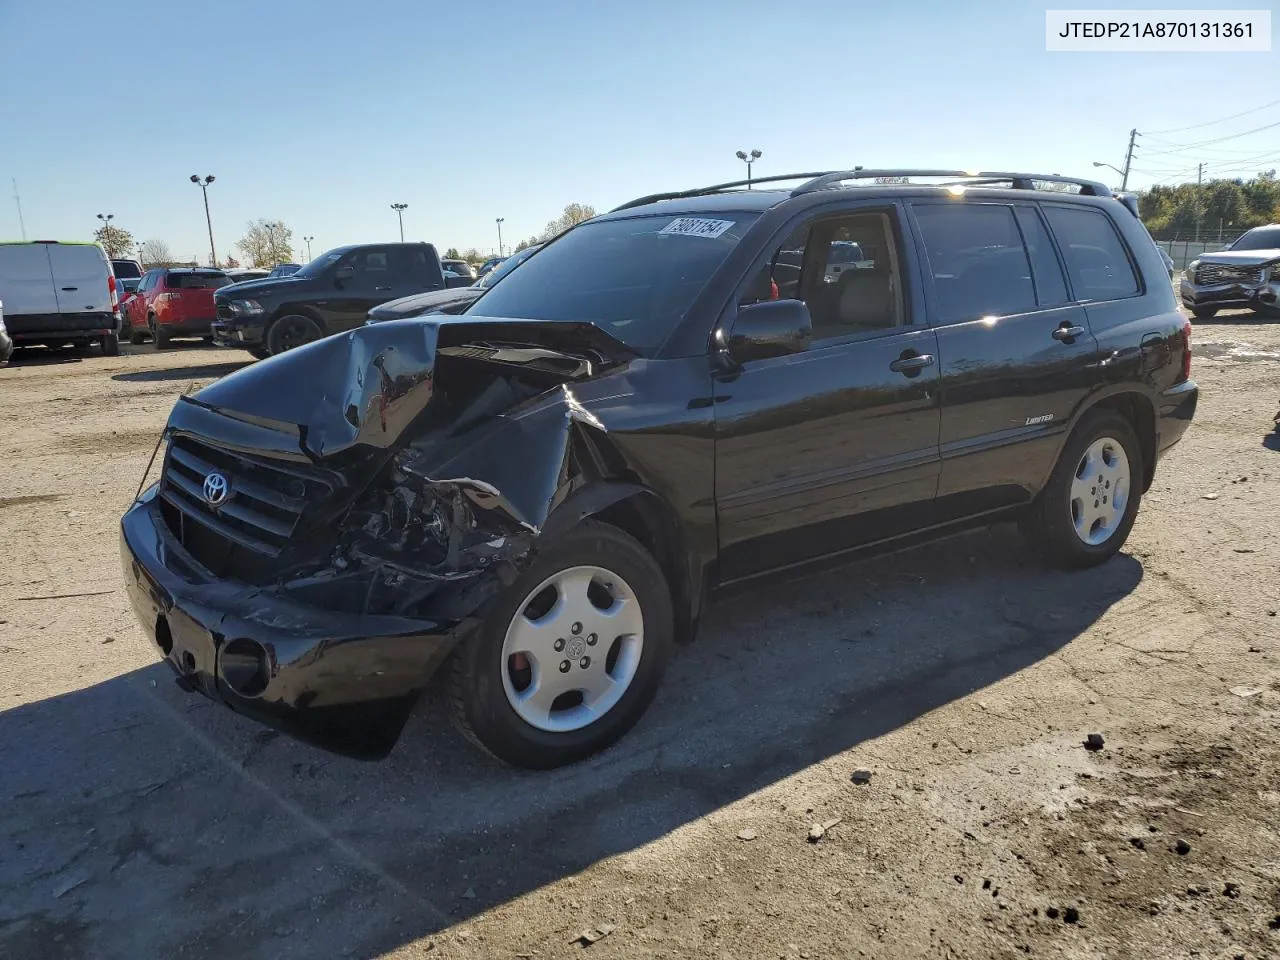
x=559 y=645
x=576 y=628
x=564 y=666
x=591 y=639
x=584 y=662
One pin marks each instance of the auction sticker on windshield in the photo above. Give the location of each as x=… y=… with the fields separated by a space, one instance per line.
x=696 y=227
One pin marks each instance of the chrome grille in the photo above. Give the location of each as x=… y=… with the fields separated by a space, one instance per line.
x=264 y=504
x=1209 y=273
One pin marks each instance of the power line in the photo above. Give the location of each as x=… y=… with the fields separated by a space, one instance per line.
x=1210 y=123
x=1204 y=143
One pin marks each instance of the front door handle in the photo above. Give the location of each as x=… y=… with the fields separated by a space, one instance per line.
x=912 y=365
x=1067 y=333
x=70 y=288
x=382 y=288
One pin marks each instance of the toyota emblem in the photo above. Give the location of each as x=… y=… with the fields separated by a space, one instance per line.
x=216 y=489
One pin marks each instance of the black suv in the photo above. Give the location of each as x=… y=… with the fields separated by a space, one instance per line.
x=669 y=399
x=332 y=293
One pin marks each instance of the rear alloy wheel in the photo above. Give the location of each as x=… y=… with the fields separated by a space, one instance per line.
x=1086 y=510
x=1204 y=313
x=292 y=330
x=570 y=655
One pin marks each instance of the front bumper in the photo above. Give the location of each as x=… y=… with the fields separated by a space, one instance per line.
x=237 y=333
x=344 y=682
x=1228 y=296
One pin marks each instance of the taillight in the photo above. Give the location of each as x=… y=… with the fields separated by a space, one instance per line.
x=115 y=295
x=1186 y=351
x=168 y=298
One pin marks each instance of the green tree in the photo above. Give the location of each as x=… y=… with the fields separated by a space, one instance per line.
x=574 y=214
x=452 y=254
x=117 y=241
x=267 y=243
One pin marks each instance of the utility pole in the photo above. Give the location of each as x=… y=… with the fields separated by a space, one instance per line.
x=18 y=203
x=1128 y=159
x=1199 y=199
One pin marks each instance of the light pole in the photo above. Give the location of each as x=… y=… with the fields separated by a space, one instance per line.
x=500 y=219
x=1110 y=167
x=106 y=219
x=748 y=159
x=399 y=208
x=204 y=188
x=140 y=260
x=307 y=241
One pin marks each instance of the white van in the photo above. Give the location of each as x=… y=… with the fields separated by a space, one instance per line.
x=59 y=293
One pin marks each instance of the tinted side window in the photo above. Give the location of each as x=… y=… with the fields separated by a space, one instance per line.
x=408 y=263
x=846 y=271
x=1051 y=287
x=978 y=261
x=1096 y=258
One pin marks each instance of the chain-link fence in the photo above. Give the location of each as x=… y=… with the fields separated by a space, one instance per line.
x=1183 y=250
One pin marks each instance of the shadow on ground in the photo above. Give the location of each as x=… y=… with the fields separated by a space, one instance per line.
x=200 y=372
x=142 y=821
x=46 y=356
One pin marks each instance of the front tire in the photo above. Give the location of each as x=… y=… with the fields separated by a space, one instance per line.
x=292 y=330
x=1204 y=313
x=1085 y=512
x=570 y=655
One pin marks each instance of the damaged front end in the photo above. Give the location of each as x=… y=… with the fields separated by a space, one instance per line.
x=328 y=524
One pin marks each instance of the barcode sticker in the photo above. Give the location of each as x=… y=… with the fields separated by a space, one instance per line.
x=696 y=227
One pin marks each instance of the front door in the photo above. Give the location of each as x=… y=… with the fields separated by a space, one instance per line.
x=1016 y=353
x=836 y=446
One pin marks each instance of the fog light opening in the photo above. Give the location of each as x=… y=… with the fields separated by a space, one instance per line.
x=163 y=637
x=243 y=667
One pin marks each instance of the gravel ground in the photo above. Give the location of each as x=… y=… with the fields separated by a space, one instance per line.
x=138 y=821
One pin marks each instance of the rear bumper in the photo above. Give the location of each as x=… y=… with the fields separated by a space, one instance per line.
x=237 y=333
x=186 y=326
x=341 y=681
x=1177 y=409
x=38 y=327
x=1226 y=296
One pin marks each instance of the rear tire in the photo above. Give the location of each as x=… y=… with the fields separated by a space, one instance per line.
x=161 y=336
x=110 y=344
x=1204 y=313
x=487 y=698
x=137 y=336
x=1077 y=521
x=259 y=353
x=290 y=331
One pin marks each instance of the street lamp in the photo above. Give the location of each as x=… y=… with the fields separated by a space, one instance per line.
x=204 y=188
x=748 y=159
x=307 y=241
x=400 y=208
x=1116 y=169
x=500 y=219
x=106 y=219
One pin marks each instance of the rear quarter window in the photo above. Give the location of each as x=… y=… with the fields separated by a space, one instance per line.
x=1098 y=263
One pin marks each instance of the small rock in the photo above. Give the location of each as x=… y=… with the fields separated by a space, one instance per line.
x=1051 y=913
x=816 y=833
x=594 y=934
x=469 y=893
x=1255 y=649
x=1182 y=848
x=958 y=878
x=986 y=884
x=1231 y=890
x=1192 y=892
x=1071 y=915
x=747 y=834
x=1210 y=496
x=1094 y=741
x=109 y=640
x=1138 y=842
x=1275 y=922
x=1246 y=692
x=861 y=777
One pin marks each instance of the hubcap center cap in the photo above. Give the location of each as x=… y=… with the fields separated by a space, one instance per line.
x=575 y=648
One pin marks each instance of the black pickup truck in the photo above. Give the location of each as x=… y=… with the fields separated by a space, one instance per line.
x=668 y=400
x=332 y=293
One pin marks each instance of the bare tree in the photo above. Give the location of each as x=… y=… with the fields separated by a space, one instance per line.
x=156 y=253
x=267 y=243
x=574 y=214
x=117 y=241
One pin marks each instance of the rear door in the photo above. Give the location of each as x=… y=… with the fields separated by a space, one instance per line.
x=1016 y=353
x=81 y=278
x=26 y=281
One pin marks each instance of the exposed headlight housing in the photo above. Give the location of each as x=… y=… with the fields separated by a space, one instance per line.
x=1191 y=269
x=246 y=308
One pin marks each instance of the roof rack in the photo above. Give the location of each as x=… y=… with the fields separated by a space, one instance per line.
x=714 y=188
x=1019 y=181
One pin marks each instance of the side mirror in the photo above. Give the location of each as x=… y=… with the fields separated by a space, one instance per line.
x=774 y=328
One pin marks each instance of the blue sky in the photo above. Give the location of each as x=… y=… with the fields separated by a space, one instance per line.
x=322 y=114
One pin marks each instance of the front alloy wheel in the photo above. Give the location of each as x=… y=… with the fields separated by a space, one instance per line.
x=569 y=656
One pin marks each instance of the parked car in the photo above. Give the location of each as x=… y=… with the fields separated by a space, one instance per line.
x=6 y=344
x=127 y=269
x=1245 y=275
x=284 y=270
x=172 y=302
x=240 y=274
x=451 y=300
x=489 y=265
x=59 y=293
x=542 y=491
x=461 y=268
x=332 y=293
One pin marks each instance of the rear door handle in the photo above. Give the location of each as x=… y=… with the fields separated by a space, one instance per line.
x=912 y=365
x=70 y=288
x=382 y=288
x=1066 y=333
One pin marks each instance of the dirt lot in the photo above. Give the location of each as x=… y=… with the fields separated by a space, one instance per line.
x=137 y=821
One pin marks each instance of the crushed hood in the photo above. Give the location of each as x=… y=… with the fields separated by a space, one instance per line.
x=1241 y=258
x=366 y=387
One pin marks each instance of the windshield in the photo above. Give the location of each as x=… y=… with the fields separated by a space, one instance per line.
x=506 y=266
x=633 y=278
x=1259 y=238
x=320 y=263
